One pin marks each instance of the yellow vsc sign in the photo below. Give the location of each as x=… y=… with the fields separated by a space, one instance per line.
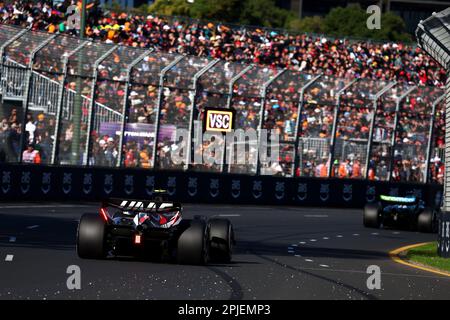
x=218 y=120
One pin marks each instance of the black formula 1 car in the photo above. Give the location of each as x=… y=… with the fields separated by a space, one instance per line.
x=153 y=228
x=405 y=212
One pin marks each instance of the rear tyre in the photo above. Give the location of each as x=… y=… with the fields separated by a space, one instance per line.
x=91 y=235
x=371 y=217
x=425 y=221
x=221 y=238
x=193 y=244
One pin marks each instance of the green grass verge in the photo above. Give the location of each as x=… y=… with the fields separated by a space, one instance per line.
x=427 y=255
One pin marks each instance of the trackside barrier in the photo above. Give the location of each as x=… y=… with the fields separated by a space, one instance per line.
x=13 y=80
x=444 y=235
x=51 y=183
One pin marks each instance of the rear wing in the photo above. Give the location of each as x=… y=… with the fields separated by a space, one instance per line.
x=399 y=200
x=141 y=205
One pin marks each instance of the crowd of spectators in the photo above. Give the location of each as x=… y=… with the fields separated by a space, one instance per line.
x=339 y=60
x=338 y=57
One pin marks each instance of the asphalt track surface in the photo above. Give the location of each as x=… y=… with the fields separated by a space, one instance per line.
x=281 y=253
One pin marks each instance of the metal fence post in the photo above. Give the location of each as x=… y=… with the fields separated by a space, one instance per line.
x=372 y=125
x=190 y=145
x=431 y=138
x=394 y=134
x=87 y=151
x=301 y=103
x=335 y=125
x=126 y=104
x=60 y=102
x=264 y=89
x=27 y=92
x=223 y=166
x=158 y=108
x=233 y=82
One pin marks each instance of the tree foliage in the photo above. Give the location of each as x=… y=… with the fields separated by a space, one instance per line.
x=263 y=13
x=351 y=21
x=340 y=22
x=308 y=24
x=250 y=12
x=171 y=7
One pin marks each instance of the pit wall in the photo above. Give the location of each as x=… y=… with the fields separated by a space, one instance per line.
x=47 y=183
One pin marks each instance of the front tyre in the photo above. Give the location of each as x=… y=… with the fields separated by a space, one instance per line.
x=91 y=235
x=221 y=238
x=425 y=221
x=371 y=216
x=193 y=244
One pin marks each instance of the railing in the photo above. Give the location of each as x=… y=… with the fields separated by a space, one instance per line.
x=13 y=80
x=44 y=95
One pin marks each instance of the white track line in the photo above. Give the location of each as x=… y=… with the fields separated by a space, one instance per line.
x=339 y=236
x=315 y=216
x=33 y=226
x=375 y=233
x=356 y=234
x=302 y=242
x=313 y=240
x=309 y=260
x=12 y=239
x=229 y=215
x=324 y=265
x=9 y=257
x=326 y=238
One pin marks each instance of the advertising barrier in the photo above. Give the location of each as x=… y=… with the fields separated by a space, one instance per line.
x=51 y=183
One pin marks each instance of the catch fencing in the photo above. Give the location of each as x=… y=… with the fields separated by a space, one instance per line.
x=87 y=103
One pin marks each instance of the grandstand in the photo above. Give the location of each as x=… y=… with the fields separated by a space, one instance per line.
x=347 y=110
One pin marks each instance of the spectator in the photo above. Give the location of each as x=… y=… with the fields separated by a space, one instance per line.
x=30 y=155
